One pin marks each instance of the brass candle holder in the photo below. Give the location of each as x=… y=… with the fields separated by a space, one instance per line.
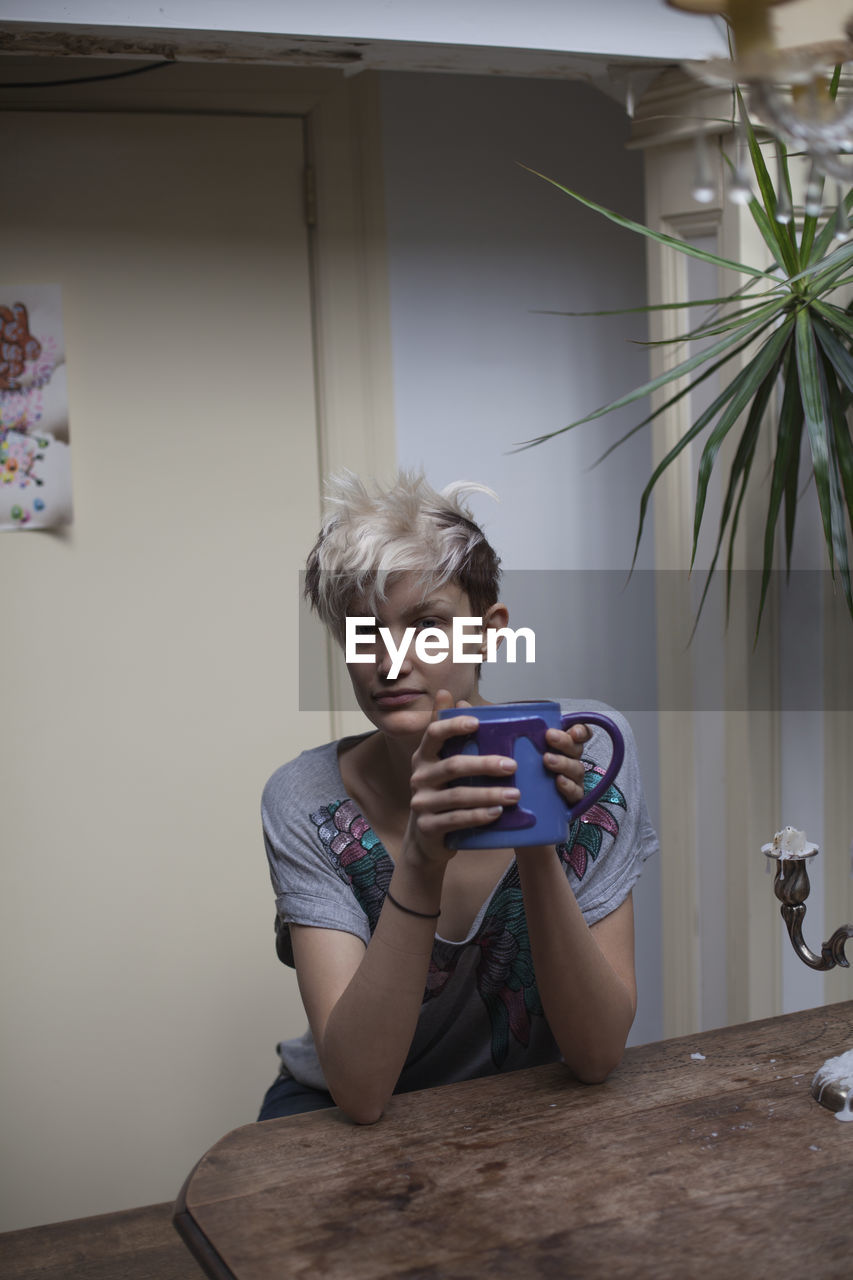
x=832 y=1086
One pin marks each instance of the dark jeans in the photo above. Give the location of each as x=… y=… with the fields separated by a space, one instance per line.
x=287 y=1097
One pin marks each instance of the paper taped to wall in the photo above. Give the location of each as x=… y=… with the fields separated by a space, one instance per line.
x=35 y=444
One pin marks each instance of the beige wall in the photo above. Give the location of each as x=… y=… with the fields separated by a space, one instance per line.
x=151 y=678
x=150 y=653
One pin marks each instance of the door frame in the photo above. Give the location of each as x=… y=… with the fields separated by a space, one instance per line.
x=344 y=210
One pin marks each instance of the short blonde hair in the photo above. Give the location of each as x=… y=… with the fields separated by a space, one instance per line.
x=370 y=536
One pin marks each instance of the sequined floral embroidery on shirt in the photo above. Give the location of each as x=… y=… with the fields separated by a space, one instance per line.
x=587 y=832
x=354 y=847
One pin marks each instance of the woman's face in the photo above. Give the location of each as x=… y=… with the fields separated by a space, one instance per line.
x=401 y=704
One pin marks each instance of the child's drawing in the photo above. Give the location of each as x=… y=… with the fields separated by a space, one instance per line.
x=35 y=452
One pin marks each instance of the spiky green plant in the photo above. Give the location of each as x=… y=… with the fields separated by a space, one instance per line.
x=800 y=341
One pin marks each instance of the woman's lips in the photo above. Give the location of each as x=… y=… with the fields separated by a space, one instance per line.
x=396 y=697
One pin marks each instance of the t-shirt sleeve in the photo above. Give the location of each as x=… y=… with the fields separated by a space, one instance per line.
x=297 y=811
x=606 y=849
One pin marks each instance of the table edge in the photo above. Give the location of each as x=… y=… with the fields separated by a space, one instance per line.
x=205 y=1254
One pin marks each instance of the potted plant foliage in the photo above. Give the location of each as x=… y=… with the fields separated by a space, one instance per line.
x=791 y=320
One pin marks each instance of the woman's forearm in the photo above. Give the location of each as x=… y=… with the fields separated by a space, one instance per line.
x=589 y=1001
x=367 y=1036
x=369 y=1031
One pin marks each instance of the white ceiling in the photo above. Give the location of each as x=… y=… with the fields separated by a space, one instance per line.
x=614 y=28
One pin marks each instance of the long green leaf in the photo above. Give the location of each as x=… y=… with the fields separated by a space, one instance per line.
x=668 y=404
x=785 y=471
x=775 y=234
x=809 y=250
x=810 y=222
x=836 y=353
x=704 y=420
x=844 y=450
x=835 y=316
x=831 y=266
x=699 y=425
x=670 y=375
x=738 y=478
x=672 y=242
x=753 y=304
x=827 y=235
x=754 y=422
x=735 y=518
x=710 y=327
x=815 y=409
x=715 y=322
x=724 y=323
x=841 y=476
x=791 y=428
x=785 y=181
x=769 y=311
x=766 y=361
x=768 y=226
x=786 y=466
x=630 y=311
x=837 y=498
x=827 y=282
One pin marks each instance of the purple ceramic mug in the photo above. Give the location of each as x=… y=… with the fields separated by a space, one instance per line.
x=517 y=729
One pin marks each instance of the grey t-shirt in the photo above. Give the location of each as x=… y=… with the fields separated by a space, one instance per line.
x=481 y=1012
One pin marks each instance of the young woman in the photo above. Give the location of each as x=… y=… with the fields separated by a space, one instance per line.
x=418 y=965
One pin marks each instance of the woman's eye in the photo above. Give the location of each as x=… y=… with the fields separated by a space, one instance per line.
x=425 y=623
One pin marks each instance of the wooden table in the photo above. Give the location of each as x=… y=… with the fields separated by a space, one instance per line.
x=679 y=1166
x=133 y=1244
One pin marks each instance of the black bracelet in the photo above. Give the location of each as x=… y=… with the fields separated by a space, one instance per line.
x=422 y=915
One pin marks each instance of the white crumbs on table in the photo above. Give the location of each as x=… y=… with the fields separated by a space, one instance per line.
x=837 y=1071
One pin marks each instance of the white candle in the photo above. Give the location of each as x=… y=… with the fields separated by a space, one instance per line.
x=790 y=843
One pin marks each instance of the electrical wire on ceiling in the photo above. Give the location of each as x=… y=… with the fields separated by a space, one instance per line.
x=112 y=75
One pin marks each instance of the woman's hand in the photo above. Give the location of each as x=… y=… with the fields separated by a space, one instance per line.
x=440 y=803
x=563 y=759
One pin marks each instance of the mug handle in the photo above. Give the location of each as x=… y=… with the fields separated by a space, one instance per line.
x=616 y=758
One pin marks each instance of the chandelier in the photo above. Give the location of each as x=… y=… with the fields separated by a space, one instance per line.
x=787 y=90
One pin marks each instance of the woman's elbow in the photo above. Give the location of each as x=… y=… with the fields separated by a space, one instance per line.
x=359 y=1109
x=595 y=1074
x=364 y=1115
x=360 y=1094
x=595 y=1068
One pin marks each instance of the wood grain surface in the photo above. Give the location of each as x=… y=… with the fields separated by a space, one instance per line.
x=135 y=1244
x=678 y=1166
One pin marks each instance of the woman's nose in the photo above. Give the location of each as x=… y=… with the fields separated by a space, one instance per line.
x=388 y=656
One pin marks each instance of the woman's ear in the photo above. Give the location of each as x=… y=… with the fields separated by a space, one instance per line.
x=494 y=619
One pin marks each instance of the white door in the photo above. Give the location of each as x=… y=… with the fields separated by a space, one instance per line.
x=149 y=652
